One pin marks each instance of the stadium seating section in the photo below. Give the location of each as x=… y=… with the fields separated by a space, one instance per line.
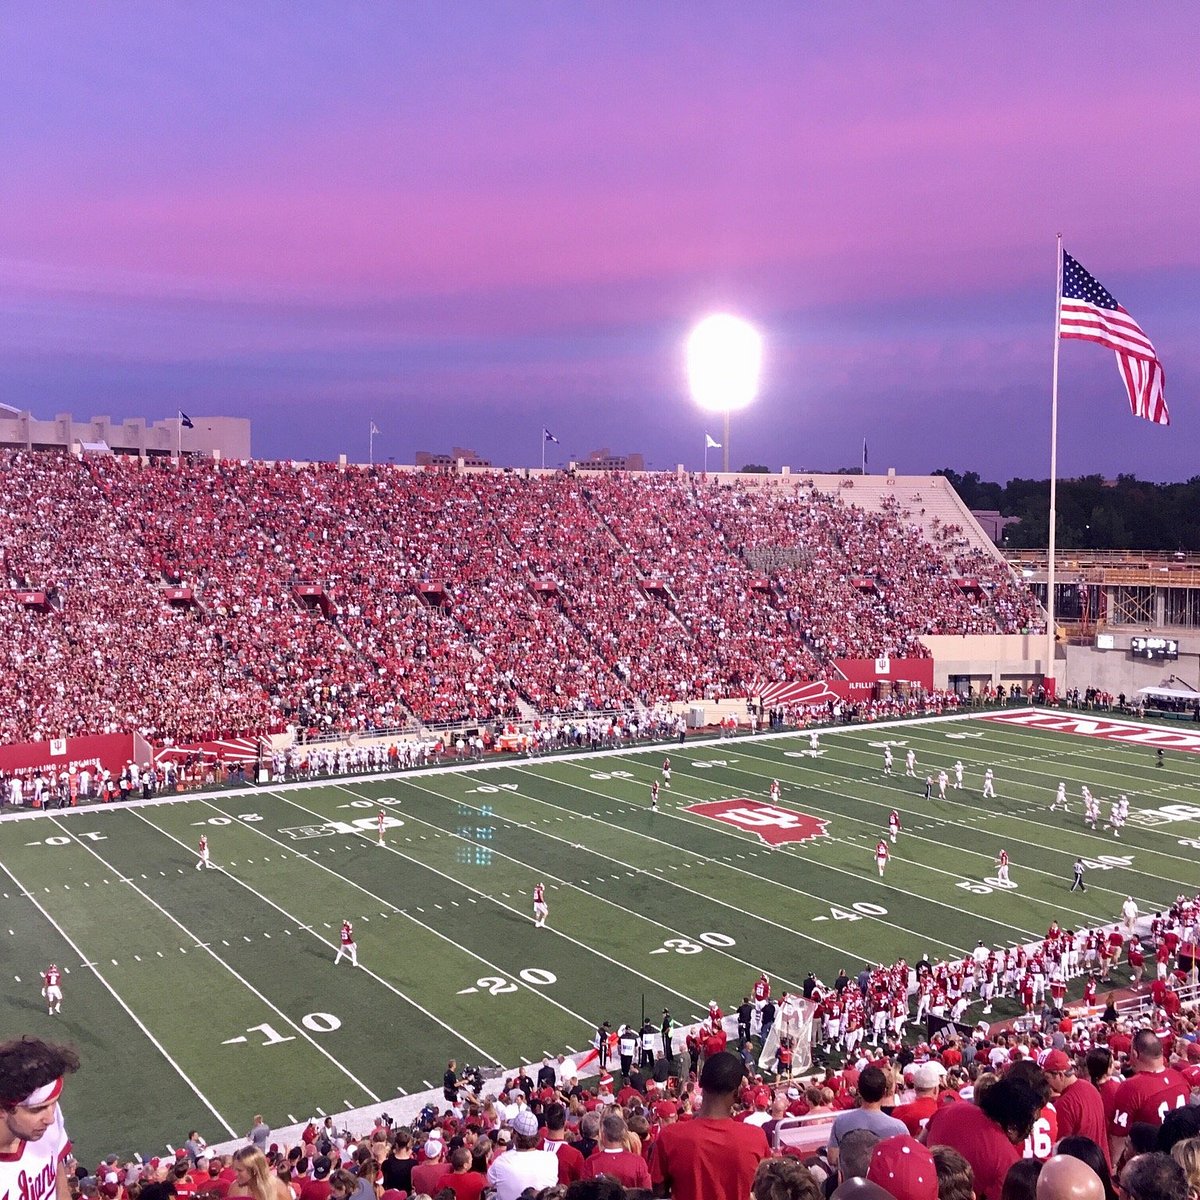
x=445 y=597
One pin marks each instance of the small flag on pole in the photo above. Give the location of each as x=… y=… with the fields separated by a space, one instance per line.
x=1091 y=313
x=374 y=428
x=548 y=436
x=185 y=422
x=710 y=443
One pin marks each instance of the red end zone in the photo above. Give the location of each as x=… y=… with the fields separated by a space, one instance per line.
x=1129 y=732
x=774 y=825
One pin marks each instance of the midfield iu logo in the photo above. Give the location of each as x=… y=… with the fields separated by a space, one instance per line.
x=774 y=825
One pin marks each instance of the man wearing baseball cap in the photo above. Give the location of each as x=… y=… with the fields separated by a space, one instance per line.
x=525 y=1165
x=1077 y=1102
x=33 y=1139
x=926 y=1080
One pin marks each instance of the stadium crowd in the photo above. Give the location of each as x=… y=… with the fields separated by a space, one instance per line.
x=957 y=1112
x=439 y=597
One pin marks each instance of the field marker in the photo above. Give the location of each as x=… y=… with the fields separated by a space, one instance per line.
x=233 y=1041
x=132 y=1015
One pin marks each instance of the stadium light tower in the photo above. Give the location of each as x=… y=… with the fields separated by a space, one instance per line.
x=724 y=357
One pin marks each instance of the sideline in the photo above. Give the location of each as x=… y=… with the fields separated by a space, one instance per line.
x=499 y=764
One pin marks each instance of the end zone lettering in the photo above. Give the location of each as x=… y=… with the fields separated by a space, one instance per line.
x=774 y=825
x=1111 y=731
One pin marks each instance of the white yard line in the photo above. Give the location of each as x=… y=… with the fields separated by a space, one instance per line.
x=219 y=960
x=491 y=1058
x=632 y=871
x=509 y=908
x=716 y=827
x=108 y=987
x=805 y=806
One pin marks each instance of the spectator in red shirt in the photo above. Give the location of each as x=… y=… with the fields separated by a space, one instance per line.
x=317 y=1187
x=927 y=1080
x=460 y=1179
x=988 y=1135
x=1148 y=1095
x=711 y=1157
x=614 y=1158
x=1077 y=1103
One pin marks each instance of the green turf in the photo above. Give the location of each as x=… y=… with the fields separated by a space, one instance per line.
x=648 y=909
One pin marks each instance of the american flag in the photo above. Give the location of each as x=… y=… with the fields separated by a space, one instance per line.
x=1090 y=312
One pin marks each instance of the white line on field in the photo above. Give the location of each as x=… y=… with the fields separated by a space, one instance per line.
x=132 y=1015
x=218 y=959
x=295 y=920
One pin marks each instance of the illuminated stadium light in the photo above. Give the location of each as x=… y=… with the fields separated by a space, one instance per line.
x=724 y=359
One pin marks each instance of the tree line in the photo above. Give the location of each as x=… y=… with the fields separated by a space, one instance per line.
x=1093 y=513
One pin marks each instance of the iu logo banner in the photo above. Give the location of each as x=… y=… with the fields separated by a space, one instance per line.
x=773 y=825
x=883 y=665
x=58 y=746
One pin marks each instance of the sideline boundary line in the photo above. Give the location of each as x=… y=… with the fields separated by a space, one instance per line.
x=232 y=971
x=108 y=987
x=495 y=765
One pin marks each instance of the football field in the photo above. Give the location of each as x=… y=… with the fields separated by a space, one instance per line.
x=198 y=998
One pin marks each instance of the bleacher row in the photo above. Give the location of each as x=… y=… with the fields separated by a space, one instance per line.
x=550 y=592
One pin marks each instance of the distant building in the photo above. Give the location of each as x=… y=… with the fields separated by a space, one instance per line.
x=227 y=436
x=993 y=524
x=471 y=458
x=606 y=460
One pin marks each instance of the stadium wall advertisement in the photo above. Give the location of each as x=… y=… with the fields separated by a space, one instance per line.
x=855 y=679
x=109 y=751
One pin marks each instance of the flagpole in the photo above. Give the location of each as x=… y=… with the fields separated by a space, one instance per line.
x=371 y=445
x=543 y=447
x=179 y=438
x=1050 y=574
x=706 y=452
x=725 y=443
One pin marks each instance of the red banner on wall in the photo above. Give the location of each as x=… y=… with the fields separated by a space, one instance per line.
x=110 y=751
x=854 y=679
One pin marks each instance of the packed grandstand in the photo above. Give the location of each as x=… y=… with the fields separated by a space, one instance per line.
x=198 y=598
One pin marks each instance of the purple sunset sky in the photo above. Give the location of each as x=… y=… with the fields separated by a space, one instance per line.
x=464 y=221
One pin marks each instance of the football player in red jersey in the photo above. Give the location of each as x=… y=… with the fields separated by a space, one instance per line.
x=348 y=947
x=1002 y=866
x=541 y=910
x=893 y=825
x=654 y=796
x=380 y=823
x=666 y=772
x=881 y=856
x=202 y=861
x=52 y=989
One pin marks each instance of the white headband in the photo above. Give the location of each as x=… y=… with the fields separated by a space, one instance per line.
x=42 y=1095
